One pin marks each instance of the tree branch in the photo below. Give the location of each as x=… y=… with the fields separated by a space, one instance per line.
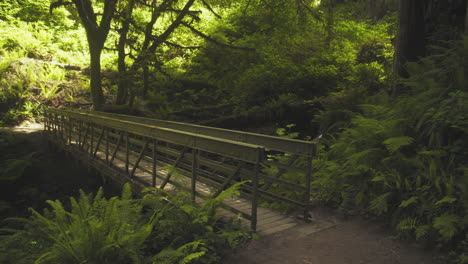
x=181 y=47
x=208 y=38
x=210 y=9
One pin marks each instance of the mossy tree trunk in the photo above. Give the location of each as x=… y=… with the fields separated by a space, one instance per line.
x=97 y=35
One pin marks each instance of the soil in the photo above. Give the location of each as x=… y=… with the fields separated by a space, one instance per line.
x=350 y=241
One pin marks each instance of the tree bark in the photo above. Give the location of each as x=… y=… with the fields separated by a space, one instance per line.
x=97 y=35
x=122 y=91
x=466 y=19
x=411 y=38
x=97 y=95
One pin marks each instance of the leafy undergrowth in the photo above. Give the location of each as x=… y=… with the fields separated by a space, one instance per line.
x=405 y=159
x=156 y=228
x=30 y=174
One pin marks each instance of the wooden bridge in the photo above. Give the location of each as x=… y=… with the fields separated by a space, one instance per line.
x=202 y=160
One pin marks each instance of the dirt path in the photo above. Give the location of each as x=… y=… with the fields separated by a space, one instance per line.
x=26 y=127
x=352 y=241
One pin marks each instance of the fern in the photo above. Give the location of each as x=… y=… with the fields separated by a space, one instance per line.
x=406 y=224
x=422 y=231
x=447 y=225
x=193 y=256
x=446 y=200
x=409 y=201
x=380 y=204
x=395 y=143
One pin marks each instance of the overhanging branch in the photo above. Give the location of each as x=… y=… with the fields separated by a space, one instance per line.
x=210 y=39
x=210 y=9
x=180 y=46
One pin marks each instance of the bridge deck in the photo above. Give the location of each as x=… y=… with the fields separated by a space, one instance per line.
x=164 y=158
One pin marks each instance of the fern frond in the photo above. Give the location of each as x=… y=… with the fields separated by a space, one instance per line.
x=395 y=143
x=446 y=199
x=422 y=231
x=127 y=192
x=409 y=223
x=446 y=225
x=380 y=204
x=409 y=201
x=187 y=259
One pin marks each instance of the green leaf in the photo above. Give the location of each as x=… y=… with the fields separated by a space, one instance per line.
x=380 y=204
x=408 y=202
x=446 y=225
x=409 y=223
x=421 y=231
x=395 y=143
x=446 y=199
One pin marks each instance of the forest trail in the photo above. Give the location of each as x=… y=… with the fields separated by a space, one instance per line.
x=27 y=127
x=350 y=241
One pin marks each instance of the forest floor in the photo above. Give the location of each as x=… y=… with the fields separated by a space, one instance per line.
x=350 y=241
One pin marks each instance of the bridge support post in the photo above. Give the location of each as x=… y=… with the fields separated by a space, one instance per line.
x=255 y=196
x=154 y=172
x=107 y=145
x=80 y=127
x=127 y=146
x=194 y=173
x=70 y=128
x=307 y=192
x=91 y=143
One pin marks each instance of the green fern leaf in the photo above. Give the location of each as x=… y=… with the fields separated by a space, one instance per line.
x=395 y=143
x=406 y=224
x=409 y=201
x=446 y=225
x=446 y=199
x=127 y=192
x=193 y=256
x=380 y=204
x=422 y=231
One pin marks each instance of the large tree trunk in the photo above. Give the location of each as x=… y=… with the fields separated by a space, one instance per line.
x=411 y=38
x=466 y=18
x=96 y=34
x=95 y=49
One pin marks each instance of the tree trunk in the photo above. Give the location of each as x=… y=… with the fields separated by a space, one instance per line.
x=145 y=80
x=96 y=34
x=411 y=38
x=122 y=91
x=95 y=49
x=466 y=18
x=329 y=24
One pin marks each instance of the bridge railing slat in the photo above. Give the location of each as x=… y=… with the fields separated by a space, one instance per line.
x=234 y=149
x=212 y=145
x=299 y=147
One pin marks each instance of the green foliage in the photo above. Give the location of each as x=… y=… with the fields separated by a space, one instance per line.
x=406 y=159
x=13 y=169
x=157 y=228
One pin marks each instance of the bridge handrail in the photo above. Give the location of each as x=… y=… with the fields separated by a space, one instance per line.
x=235 y=149
x=294 y=146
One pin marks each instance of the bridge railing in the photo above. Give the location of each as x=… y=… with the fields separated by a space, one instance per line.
x=216 y=157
